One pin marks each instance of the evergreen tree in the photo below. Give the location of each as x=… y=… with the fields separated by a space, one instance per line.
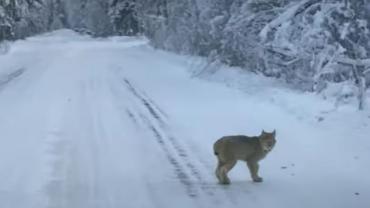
x=124 y=16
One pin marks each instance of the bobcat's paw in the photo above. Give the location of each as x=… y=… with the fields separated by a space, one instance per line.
x=225 y=182
x=257 y=180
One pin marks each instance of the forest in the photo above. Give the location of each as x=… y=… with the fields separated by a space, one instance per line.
x=314 y=45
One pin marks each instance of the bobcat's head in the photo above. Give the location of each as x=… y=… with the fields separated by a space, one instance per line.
x=267 y=141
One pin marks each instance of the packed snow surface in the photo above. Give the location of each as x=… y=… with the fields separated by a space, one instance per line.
x=108 y=123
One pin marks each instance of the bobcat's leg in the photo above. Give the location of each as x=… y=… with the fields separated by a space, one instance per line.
x=218 y=170
x=253 y=168
x=224 y=169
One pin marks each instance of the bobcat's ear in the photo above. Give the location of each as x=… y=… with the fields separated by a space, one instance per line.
x=274 y=132
x=263 y=132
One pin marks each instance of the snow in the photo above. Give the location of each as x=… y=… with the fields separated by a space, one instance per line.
x=115 y=123
x=283 y=18
x=4 y=47
x=2 y=12
x=345 y=31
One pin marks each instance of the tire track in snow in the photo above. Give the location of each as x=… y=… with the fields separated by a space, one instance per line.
x=161 y=139
x=144 y=101
x=6 y=79
x=180 y=173
x=132 y=117
x=176 y=153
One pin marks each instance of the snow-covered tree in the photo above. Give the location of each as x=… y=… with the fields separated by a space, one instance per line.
x=124 y=16
x=58 y=15
x=89 y=16
x=8 y=14
x=21 y=18
x=153 y=18
x=315 y=42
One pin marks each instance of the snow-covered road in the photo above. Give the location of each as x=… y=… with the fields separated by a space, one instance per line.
x=108 y=123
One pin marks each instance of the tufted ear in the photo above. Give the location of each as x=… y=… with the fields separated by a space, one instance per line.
x=263 y=132
x=274 y=132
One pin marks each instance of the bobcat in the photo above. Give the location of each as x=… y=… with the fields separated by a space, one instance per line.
x=230 y=149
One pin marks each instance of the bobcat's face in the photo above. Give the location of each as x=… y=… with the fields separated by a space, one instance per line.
x=267 y=141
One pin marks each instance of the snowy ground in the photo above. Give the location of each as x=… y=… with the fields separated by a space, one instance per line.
x=105 y=123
